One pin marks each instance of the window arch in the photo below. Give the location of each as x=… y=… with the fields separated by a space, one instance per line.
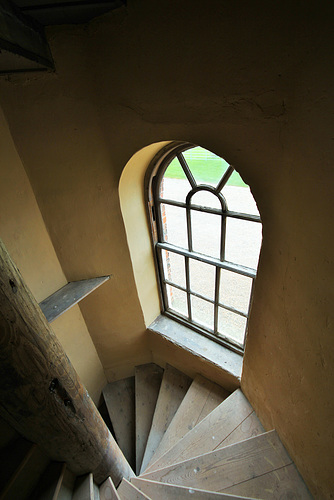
x=207 y=234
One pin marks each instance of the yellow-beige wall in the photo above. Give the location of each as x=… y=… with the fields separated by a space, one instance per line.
x=24 y=234
x=254 y=84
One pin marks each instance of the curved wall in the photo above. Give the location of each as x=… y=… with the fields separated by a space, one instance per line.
x=254 y=85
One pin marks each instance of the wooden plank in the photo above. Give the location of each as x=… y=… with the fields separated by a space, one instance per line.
x=127 y=491
x=96 y=493
x=120 y=400
x=250 y=427
x=155 y=489
x=228 y=466
x=148 y=381
x=66 y=485
x=48 y=483
x=172 y=391
x=201 y=399
x=284 y=483
x=24 y=45
x=40 y=392
x=8 y=436
x=11 y=457
x=210 y=432
x=59 y=12
x=83 y=489
x=69 y=295
x=26 y=477
x=108 y=491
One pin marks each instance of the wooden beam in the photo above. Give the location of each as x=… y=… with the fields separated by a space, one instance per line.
x=41 y=395
x=22 y=42
x=67 y=11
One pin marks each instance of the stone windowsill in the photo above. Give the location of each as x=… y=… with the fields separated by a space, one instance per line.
x=217 y=355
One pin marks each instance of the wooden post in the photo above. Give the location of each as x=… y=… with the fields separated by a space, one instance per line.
x=41 y=395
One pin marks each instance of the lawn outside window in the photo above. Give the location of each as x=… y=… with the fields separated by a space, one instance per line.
x=207 y=236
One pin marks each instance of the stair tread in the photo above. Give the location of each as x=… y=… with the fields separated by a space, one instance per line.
x=147 y=382
x=119 y=397
x=174 y=492
x=250 y=427
x=173 y=388
x=211 y=432
x=281 y=483
x=84 y=489
x=258 y=467
x=226 y=467
x=27 y=475
x=201 y=399
x=108 y=490
x=128 y=491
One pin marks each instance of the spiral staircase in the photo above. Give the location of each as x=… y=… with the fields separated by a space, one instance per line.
x=184 y=439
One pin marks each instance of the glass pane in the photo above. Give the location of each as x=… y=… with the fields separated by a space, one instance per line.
x=235 y=290
x=240 y=199
x=202 y=312
x=174 y=184
x=202 y=278
x=205 y=199
x=206 y=231
x=243 y=242
x=174 y=269
x=231 y=325
x=236 y=180
x=206 y=167
x=177 y=300
x=174 y=225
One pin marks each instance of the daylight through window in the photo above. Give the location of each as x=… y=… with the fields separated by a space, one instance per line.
x=207 y=235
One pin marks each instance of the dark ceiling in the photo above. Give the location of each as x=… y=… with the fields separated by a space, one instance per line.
x=23 y=46
x=49 y=12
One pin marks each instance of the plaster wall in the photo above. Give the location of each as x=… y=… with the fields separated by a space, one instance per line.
x=132 y=198
x=252 y=84
x=23 y=231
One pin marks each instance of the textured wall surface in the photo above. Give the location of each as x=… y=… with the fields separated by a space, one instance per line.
x=23 y=231
x=254 y=85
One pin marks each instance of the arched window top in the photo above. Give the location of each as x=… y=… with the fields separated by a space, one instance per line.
x=207 y=235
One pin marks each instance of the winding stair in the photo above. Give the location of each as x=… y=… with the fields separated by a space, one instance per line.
x=184 y=439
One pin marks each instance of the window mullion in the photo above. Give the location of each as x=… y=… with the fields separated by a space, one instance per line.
x=189 y=229
x=158 y=221
x=186 y=170
x=225 y=178
x=190 y=248
x=188 y=288
x=223 y=238
x=217 y=285
x=229 y=266
x=162 y=277
x=214 y=211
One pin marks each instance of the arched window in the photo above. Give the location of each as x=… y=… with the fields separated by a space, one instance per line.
x=207 y=236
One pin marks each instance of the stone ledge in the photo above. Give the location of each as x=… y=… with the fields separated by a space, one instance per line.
x=217 y=355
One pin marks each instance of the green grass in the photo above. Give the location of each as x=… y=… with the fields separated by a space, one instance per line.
x=208 y=171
